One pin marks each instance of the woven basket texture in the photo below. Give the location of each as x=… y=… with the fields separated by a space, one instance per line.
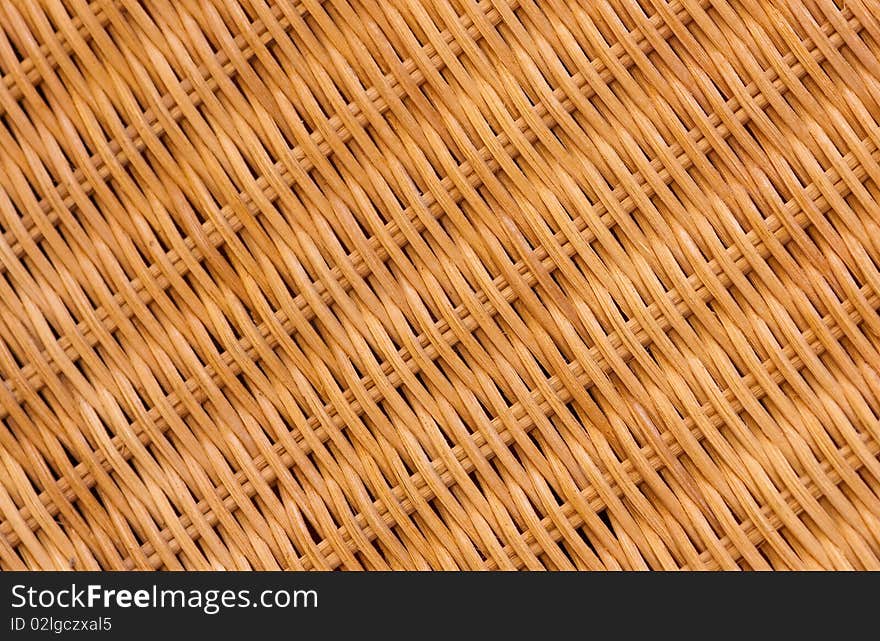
x=446 y=284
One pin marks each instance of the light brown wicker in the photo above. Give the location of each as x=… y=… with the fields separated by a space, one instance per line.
x=479 y=284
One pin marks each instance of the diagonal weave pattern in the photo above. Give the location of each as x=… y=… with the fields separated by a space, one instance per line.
x=479 y=284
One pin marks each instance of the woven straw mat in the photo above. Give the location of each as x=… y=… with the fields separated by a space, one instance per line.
x=447 y=284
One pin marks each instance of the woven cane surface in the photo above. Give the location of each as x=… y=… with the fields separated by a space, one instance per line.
x=450 y=284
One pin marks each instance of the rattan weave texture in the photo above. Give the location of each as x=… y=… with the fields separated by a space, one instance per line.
x=408 y=284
